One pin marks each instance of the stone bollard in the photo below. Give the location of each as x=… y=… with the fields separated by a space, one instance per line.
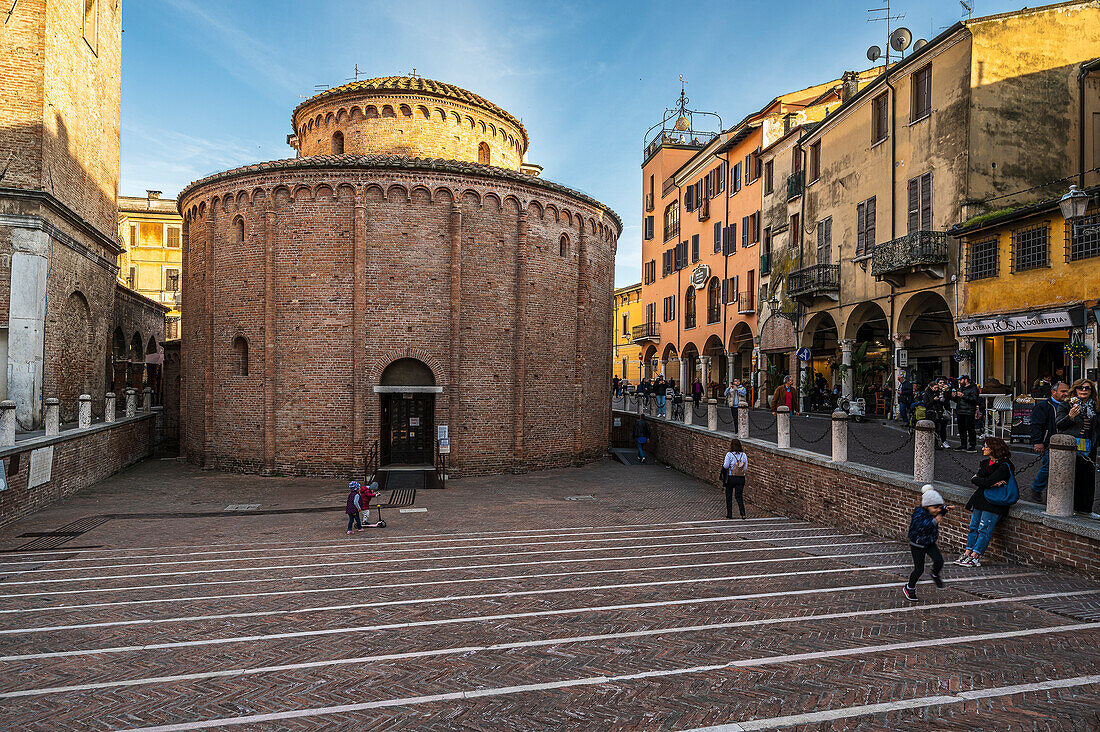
x=1063 y=464
x=743 y=423
x=924 y=452
x=651 y=408
x=712 y=415
x=84 y=412
x=131 y=402
x=109 y=407
x=53 y=417
x=840 y=436
x=689 y=406
x=638 y=403
x=783 y=426
x=147 y=399
x=7 y=422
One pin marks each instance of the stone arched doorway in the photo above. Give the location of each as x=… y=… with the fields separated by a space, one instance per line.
x=927 y=320
x=407 y=388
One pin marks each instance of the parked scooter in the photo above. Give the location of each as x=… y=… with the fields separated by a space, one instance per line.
x=856 y=408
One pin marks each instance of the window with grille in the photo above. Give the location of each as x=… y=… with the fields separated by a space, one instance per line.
x=981 y=259
x=173 y=237
x=880 y=118
x=1083 y=238
x=1031 y=247
x=922 y=93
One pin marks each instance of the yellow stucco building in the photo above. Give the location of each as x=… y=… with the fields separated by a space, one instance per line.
x=625 y=354
x=1031 y=289
x=150 y=230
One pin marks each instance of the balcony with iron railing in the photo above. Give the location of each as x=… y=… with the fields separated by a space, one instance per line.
x=649 y=202
x=923 y=252
x=746 y=302
x=704 y=209
x=795 y=183
x=648 y=331
x=818 y=280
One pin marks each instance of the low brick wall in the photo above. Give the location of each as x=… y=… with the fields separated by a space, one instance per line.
x=805 y=485
x=80 y=458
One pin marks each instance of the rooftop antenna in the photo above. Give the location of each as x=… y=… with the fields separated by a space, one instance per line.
x=888 y=18
x=968 y=8
x=357 y=73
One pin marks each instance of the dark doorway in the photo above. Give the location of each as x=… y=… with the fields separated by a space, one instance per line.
x=407 y=428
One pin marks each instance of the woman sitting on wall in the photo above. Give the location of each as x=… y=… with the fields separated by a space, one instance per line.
x=997 y=491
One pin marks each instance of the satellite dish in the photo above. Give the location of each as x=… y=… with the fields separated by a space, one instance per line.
x=900 y=39
x=874 y=53
x=921 y=43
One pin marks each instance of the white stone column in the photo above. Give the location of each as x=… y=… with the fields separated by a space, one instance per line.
x=53 y=417
x=743 y=422
x=84 y=412
x=966 y=366
x=147 y=399
x=704 y=373
x=664 y=369
x=729 y=368
x=688 y=407
x=684 y=384
x=846 y=360
x=109 y=407
x=712 y=415
x=840 y=436
x=924 y=452
x=7 y=422
x=131 y=401
x=1063 y=464
x=783 y=427
x=760 y=378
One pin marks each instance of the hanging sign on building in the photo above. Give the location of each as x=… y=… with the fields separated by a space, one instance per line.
x=1048 y=320
x=700 y=275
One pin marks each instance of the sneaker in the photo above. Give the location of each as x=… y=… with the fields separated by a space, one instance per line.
x=963 y=560
x=358 y=529
x=946 y=445
x=974 y=562
x=349 y=532
x=938 y=581
x=910 y=593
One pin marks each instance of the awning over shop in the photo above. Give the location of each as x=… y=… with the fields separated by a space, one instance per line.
x=1056 y=319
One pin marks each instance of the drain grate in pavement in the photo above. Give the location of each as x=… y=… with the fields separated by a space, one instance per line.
x=68 y=532
x=242 y=507
x=580 y=498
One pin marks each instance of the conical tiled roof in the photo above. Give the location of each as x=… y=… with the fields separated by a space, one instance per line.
x=415 y=85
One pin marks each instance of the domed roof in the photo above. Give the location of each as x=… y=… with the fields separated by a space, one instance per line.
x=415 y=85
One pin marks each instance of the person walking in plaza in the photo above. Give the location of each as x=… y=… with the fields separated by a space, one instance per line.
x=734 y=468
x=996 y=492
x=354 y=507
x=641 y=436
x=736 y=397
x=966 y=412
x=1076 y=417
x=1044 y=424
x=924 y=531
x=643 y=392
x=785 y=396
x=696 y=391
x=659 y=387
x=616 y=385
x=935 y=408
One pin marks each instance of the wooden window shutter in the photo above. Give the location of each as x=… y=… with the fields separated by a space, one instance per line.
x=725 y=291
x=861 y=225
x=756 y=226
x=688 y=196
x=914 y=204
x=744 y=231
x=926 y=202
x=869 y=225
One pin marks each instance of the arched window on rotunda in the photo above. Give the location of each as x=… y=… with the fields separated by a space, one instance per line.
x=483 y=153
x=338 y=143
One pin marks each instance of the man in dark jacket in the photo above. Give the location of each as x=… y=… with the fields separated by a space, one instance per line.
x=1044 y=423
x=641 y=436
x=906 y=396
x=966 y=407
x=659 y=387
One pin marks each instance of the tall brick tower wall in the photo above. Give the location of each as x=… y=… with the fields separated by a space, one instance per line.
x=408 y=116
x=322 y=271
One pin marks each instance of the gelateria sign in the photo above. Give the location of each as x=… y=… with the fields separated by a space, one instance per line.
x=1045 y=320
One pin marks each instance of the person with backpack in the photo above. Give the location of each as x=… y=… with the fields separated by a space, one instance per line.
x=734 y=468
x=354 y=507
x=997 y=491
x=924 y=531
x=641 y=436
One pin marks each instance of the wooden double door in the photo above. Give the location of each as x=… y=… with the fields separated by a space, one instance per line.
x=408 y=429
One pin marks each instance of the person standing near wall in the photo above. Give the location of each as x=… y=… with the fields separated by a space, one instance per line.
x=785 y=396
x=1044 y=424
x=734 y=469
x=1076 y=417
x=736 y=397
x=966 y=412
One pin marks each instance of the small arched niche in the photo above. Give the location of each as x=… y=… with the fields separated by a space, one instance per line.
x=407 y=372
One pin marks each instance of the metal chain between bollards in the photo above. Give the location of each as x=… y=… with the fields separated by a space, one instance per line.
x=767 y=426
x=695 y=411
x=854 y=434
x=723 y=420
x=828 y=431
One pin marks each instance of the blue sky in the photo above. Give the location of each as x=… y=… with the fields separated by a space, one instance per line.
x=209 y=85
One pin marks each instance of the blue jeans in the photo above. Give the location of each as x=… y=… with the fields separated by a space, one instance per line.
x=641 y=449
x=661 y=404
x=981 y=530
x=1039 y=485
x=353 y=519
x=903 y=410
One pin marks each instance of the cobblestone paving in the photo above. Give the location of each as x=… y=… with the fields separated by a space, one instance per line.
x=601 y=598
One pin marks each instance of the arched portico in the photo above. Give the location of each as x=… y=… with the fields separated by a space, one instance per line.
x=867 y=332
x=927 y=325
x=740 y=352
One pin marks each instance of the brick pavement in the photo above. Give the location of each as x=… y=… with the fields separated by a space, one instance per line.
x=505 y=606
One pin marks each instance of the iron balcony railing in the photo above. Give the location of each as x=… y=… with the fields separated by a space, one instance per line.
x=815 y=279
x=918 y=249
x=704 y=209
x=650 y=331
x=795 y=183
x=745 y=302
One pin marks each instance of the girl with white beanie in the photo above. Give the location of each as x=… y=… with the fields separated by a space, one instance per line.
x=924 y=530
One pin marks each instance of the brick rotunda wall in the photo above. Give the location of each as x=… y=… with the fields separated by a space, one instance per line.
x=413 y=125
x=500 y=283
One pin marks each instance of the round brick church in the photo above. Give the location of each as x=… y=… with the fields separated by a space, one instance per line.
x=406 y=272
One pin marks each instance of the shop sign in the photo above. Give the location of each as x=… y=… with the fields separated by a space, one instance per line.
x=1049 y=320
x=1021 y=415
x=700 y=275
